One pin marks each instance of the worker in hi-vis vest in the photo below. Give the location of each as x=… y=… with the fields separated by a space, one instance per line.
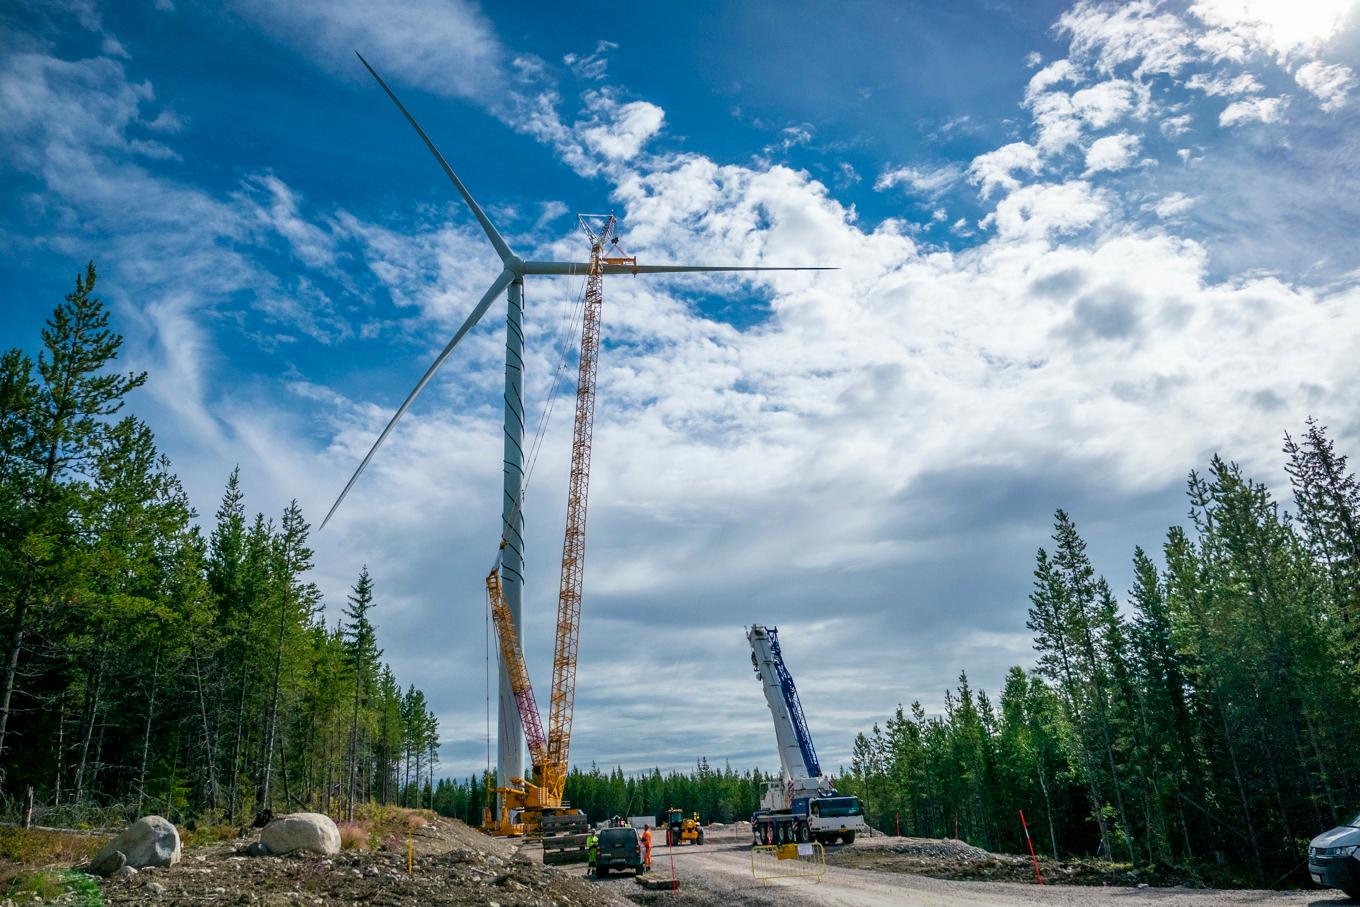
x=592 y=851
x=647 y=845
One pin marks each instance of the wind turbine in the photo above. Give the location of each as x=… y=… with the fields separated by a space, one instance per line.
x=510 y=755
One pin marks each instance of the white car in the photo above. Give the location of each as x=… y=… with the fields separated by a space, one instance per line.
x=1334 y=858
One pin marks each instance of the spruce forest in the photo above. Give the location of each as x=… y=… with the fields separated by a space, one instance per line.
x=151 y=669
x=1208 y=719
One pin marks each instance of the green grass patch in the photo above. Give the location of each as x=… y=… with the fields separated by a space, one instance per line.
x=50 y=884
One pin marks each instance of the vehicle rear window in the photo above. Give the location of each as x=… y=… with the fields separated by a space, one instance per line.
x=618 y=835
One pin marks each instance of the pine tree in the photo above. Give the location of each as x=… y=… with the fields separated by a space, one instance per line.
x=60 y=429
x=363 y=653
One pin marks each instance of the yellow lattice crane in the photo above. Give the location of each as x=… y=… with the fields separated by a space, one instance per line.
x=548 y=754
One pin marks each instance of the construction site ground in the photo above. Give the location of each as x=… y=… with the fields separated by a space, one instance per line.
x=453 y=864
x=913 y=871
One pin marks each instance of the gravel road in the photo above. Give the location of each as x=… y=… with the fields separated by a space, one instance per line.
x=720 y=874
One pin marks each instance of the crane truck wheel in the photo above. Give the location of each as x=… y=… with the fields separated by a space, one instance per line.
x=849 y=837
x=800 y=831
x=700 y=839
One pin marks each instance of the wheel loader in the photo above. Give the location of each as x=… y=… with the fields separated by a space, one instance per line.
x=681 y=830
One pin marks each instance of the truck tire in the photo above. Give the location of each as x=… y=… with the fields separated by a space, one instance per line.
x=755 y=837
x=1352 y=893
x=601 y=871
x=849 y=837
x=700 y=838
x=801 y=833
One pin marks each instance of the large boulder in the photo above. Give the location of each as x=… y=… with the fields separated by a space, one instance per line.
x=150 y=841
x=312 y=832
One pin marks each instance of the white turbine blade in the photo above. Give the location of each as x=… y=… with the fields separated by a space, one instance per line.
x=690 y=269
x=501 y=248
x=582 y=267
x=496 y=288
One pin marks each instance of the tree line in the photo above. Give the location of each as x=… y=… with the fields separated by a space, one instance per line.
x=1207 y=718
x=148 y=667
x=718 y=795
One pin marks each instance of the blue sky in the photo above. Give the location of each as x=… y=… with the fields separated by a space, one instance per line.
x=1081 y=248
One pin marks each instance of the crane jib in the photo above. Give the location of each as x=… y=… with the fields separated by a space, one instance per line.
x=795 y=707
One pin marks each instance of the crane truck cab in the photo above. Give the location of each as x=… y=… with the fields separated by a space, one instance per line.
x=826 y=816
x=804 y=805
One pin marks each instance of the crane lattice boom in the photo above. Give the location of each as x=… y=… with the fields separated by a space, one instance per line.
x=574 y=541
x=512 y=656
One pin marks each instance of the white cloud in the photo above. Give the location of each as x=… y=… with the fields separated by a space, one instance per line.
x=1172 y=205
x=445 y=46
x=929 y=182
x=619 y=131
x=1050 y=75
x=593 y=66
x=1222 y=85
x=1328 y=82
x=1105 y=103
x=1111 y=153
x=1175 y=126
x=1253 y=110
x=1282 y=28
x=995 y=169
x=1038 y=211
x=1118 y=34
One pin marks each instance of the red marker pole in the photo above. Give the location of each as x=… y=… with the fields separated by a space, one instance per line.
x=1031 y=848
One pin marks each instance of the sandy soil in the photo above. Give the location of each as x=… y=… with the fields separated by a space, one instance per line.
x=719 y=873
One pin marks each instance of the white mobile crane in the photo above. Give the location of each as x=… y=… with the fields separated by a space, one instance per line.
x=803 y=806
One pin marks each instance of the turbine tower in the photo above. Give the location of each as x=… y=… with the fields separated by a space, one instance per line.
x=510 y=741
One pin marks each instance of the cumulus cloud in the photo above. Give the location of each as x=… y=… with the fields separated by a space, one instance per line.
x=1328 y=82
x=1174 y=126
x=1253 y=110
x=619 y=131
x=1222 y=85
x=1281 y=28
x=1172 y=205
x=996 y=169
x=929 y=182
x=1112 y=153
x=1038 y=211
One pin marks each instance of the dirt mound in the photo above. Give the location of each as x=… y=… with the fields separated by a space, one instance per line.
x=928 y=848
x=946 y=858
x=450 y=864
